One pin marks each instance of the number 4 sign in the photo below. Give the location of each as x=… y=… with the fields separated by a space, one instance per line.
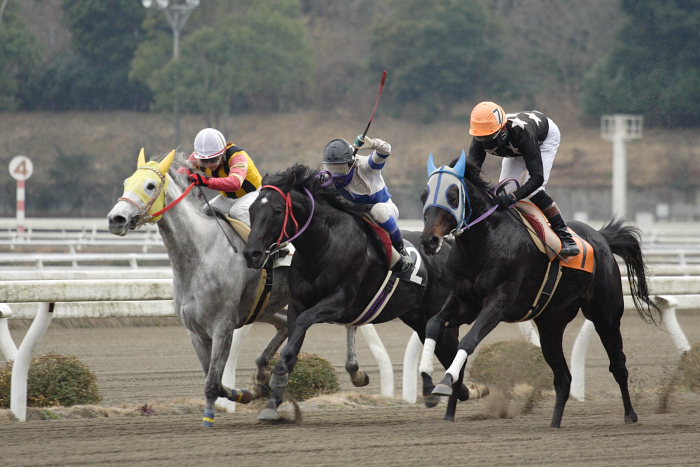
x=21 y=168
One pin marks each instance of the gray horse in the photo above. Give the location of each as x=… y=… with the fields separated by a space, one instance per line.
x=214 y=291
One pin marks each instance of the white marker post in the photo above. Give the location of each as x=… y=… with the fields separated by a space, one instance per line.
x=620 y=128
x=21 y=169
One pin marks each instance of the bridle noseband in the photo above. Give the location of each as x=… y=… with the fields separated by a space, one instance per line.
x=289 y=214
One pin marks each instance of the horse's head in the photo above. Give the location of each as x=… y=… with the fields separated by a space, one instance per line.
x=144 y=194
x=267 y=214
x=445 y=201
x=272 y=216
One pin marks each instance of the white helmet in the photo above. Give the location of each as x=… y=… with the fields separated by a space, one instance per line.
x=209 y=143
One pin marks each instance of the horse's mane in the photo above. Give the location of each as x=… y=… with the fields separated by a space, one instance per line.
x=473 y=175
x=299 y=176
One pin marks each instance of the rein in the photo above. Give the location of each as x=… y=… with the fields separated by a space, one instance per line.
x=289 y=213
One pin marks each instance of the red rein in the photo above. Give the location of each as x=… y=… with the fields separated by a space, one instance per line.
x=288 y=212
x=172 y=205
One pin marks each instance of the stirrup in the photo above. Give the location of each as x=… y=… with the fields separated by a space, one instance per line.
x=402 y=265
x=569 y=247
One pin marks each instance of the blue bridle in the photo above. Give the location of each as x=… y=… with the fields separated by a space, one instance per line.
x=440 y=180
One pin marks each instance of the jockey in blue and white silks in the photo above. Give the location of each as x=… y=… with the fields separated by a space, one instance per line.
x=359 y=179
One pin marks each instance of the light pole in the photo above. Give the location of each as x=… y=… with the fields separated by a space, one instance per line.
x=620 y=128
x=176 y=12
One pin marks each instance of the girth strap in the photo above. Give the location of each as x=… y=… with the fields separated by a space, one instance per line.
x=263 y=295
x=378 y=302
x=547 y=289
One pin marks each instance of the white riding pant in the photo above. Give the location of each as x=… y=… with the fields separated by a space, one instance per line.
x=236 y=207
x=383 y=211
x=514 y=167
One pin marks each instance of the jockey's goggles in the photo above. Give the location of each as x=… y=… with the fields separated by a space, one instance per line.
x=489 y=138
x=213 y=161
x=338 y=168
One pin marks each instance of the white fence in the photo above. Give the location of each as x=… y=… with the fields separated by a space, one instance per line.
x=82 y=291
x=110 y=297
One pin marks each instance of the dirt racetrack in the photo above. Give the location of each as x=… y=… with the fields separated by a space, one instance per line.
x=156 y=365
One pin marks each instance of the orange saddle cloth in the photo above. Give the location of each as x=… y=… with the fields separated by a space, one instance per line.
x=542 y=234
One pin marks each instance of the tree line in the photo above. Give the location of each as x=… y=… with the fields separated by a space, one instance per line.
x=635 y=56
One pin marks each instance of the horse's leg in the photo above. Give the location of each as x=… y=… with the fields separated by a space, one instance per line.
x=262 y=376
x=213 y=389
x=327 y=310
x=551 y=336
x=609 y=331
x=485 y=322
x=434 y=331
x=358 y=377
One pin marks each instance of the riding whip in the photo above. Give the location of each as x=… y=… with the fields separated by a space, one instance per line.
x=376 y=105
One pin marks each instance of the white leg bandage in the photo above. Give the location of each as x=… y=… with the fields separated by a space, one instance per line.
x=457 y=364
x=426 y=359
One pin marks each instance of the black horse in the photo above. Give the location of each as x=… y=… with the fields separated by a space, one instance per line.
x=498 y=272
x=337 y=269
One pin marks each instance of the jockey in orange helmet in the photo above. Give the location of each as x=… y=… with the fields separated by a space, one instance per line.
x=528 y=142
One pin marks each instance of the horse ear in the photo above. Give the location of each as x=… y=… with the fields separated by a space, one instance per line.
x=431 y=165
x=142 y=158
x=461 y=164
x=167 y=162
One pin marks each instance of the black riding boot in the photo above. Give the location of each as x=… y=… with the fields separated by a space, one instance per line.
x=568 y=245
x=404 y=263
x=551 y=210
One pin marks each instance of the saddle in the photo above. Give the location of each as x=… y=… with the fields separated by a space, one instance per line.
x=418 y=273
x=549 y=244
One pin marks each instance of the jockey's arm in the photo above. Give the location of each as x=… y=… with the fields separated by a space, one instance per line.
x=239 y=168
x=477 y=154
x=381 y=152
x=533 y=162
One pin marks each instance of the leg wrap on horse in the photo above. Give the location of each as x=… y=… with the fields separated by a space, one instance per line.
x=279 y=381
x=208 y=418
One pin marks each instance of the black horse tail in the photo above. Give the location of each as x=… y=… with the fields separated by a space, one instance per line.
x=624 y=241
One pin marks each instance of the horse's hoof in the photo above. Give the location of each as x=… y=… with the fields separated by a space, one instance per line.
x=449 y=418
x=431 y=400
x=269 y=415
x=631 y=418
x=442 y=390
x=360 y=380
x=242 y=396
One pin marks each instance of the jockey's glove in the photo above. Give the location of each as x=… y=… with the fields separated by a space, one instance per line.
x=364 y=142
x=198 y=179
x=505 y=200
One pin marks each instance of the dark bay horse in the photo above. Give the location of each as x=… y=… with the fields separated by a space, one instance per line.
x=498 y=271
x=337 y=268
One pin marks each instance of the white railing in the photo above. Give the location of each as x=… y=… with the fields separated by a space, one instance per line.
x=110 y=297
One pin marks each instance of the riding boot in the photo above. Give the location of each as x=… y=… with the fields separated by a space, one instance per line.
x=568 y=245
x=404 y=263
x=553 y=214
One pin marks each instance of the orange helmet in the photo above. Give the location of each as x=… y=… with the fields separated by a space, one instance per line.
x=487 y=118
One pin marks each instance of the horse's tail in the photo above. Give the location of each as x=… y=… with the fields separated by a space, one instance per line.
x=624 y=241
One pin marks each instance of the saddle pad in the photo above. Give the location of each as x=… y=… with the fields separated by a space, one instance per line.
x=542 y=233
x=383 y=237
